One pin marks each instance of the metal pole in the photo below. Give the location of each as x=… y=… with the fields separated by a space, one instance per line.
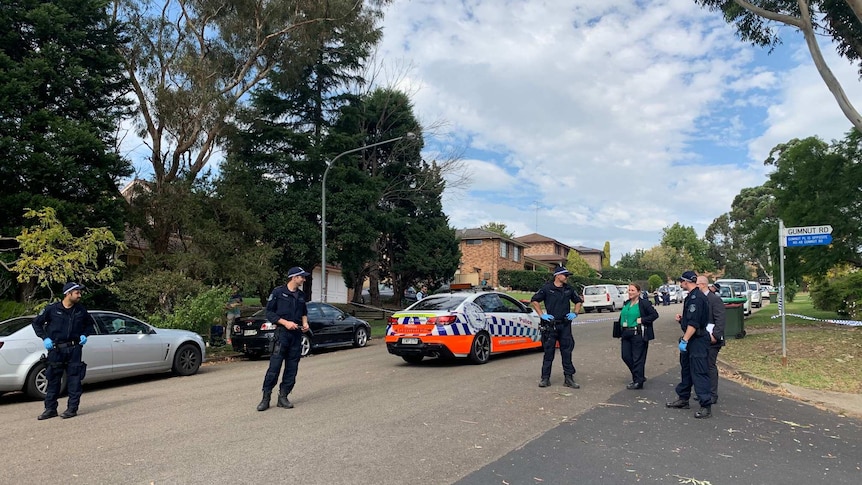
x=323 y=283
x=782 y=303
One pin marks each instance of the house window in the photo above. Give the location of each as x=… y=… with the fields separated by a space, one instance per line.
x=516 y=253
x=504 y=249
x=472 y=242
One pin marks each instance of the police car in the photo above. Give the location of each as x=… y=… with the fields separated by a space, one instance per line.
x=471 y=325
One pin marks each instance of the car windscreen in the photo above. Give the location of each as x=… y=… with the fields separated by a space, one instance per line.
x=752 y=286
x=595 y=290
x=9 y=327
x=439 y=302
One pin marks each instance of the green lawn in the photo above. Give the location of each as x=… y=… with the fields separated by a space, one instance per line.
x=819 y=355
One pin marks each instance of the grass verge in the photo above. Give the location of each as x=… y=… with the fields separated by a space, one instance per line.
x=819 y=355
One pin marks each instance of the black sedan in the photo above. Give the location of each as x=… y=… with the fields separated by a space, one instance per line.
x=328 y=327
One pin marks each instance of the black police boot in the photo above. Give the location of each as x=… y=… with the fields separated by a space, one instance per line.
x=545 y=382
x=632 y=385
x=283 y=402
x=264 y=403
x=69 y=413
x=678 y=404
x=47 y=414
x=570 y=382
x=704 y=412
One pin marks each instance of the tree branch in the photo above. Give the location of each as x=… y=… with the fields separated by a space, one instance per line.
x=769 y=14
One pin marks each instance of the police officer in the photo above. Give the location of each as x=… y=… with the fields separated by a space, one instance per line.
x=63 y=327
x=716 y=326
x=693 y=348
x=286 y=309
x=556 y=324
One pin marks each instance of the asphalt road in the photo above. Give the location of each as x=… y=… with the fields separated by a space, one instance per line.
x=363 y=416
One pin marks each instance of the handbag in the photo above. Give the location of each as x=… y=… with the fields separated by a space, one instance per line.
x=618 y=331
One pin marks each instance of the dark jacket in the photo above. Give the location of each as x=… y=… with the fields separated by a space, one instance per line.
x=286 y=304
x=695 y=312
x=716 y=317
x=648 y=316
x=63 y=325
x=557 y=299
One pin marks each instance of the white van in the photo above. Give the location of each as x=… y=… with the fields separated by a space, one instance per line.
x=599 y=297
x=756 y=297
x=740 y=290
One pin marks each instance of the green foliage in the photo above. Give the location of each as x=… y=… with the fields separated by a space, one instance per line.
x=790 y=290
x=196 y=313
x=578 y=265
x=841 y=294
x=499 y=228
x=655 y=281
x=51 y=255
x=684 y=243
x=606 y=259
x=522 y=280
x=631 y=260
x=61 y=95
x=145 y=292
x=631 y=274
x=9 y=309
x=667 y=260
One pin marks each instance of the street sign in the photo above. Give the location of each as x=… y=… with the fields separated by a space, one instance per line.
x=809 y=240
x=806 y=231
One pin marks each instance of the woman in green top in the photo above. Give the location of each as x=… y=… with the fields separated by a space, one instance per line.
x=636 y=319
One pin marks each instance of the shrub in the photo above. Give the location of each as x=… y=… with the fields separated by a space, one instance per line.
x=9 y=309
x=632 y=274
x=654 y=282
x=154 y=292
x=196 y=313
x=842 y=294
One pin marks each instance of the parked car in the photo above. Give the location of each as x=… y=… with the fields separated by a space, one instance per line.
x=120 y=346
x=677 y=294
x=740 y=290
x=764 y=292
x=603 y=297
x=754 y=291
x=468 y=324
x=386 y=293
x=254 y=336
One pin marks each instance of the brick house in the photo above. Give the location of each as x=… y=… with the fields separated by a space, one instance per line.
x=483 y=253
x=552 y=252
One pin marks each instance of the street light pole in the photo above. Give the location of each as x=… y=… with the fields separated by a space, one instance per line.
x=323 y=282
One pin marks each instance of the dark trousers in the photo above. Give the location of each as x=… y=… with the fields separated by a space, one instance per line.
x=287 y=351
x=562 y=333
x=694 y=371
x=66 y=360
x=633 y=349
x=712 y=357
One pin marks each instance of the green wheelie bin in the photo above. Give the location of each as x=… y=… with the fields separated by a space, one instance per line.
x=734 y=317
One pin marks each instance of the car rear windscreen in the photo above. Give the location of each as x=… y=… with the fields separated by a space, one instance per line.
x=439 y=302
x=595 y=290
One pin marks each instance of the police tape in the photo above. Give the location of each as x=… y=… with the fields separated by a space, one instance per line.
x=849 y=323
x=578 y=321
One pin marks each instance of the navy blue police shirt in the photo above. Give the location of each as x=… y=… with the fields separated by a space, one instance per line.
x=557 y=299
x=63 y=324
x=286 y=304
x=695 y=312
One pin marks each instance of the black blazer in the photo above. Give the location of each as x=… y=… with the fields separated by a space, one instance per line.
x=648 y=316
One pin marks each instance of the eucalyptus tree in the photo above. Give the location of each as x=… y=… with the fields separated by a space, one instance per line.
x=761 y=22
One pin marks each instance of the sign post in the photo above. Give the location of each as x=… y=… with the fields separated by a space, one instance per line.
x=796 y=237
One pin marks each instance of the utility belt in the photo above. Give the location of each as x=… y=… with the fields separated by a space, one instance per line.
x=638 y=330
x=66 y=345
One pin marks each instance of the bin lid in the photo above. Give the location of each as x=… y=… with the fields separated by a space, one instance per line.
x=734 y=300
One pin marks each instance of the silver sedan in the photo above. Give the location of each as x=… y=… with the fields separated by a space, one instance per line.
x=120 y=346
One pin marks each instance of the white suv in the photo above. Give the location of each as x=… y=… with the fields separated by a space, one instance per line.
x=740 y=289
x=756 y=297
x=599 y=297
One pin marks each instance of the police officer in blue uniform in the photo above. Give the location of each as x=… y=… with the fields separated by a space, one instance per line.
x=286 y=309
x=557 y=324
x=693 y=349
x=64 y=327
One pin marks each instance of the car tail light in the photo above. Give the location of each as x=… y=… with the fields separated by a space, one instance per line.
x=392 y=321
x=1 y=344
x=608 y=295
x=267 y=326
x=237 y=329
x=441 y=320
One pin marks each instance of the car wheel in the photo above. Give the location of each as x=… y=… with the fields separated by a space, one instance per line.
x=480 y=351
x=360 y=337
x=305 y=345
x=412 y=359
x=37 y=382
x=187 y=360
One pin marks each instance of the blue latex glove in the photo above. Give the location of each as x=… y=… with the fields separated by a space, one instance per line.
x=49 y=344
x=546 y=317
x=83 y=339
x=683 y=345
x=571 y=315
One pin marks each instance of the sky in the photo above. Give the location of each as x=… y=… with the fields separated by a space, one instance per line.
x=590 y=121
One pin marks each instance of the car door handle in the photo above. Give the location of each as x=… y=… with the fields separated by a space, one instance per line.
x=119 y=340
